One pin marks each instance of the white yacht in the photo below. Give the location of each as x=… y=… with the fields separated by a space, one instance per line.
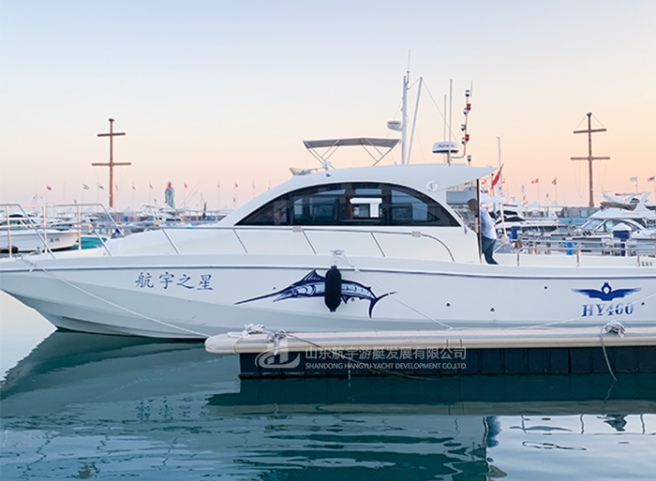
x=512 y=219
x=24 y=233
x=629 y=212
x=405 y=258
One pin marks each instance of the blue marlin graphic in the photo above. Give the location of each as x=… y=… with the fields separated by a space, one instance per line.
x=314 y=285
x=607 y=293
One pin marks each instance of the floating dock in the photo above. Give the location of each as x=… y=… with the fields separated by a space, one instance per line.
x=440 y=353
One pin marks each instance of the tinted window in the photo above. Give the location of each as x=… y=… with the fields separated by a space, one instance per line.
x=357 y=203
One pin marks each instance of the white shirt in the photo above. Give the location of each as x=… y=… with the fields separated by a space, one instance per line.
x=487 y=225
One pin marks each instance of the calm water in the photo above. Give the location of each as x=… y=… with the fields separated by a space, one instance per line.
x=83 y=406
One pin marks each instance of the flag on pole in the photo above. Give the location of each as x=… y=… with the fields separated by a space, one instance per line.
x=553 y=182
x=101 y=187
x=497 y=177
x=650 y=179
x=185 y=185
x=535 y=181
x=218 y=186
x=85 y=186
x=236 y=185
x=133 y=188
x=48 y=187
x=116 y=187
x=633 y=179
x=150 y=185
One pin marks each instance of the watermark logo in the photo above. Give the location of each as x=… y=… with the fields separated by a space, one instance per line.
x=354 y=358
x=278 y=357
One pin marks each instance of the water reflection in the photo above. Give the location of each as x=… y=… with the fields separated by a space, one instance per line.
x=86 y=406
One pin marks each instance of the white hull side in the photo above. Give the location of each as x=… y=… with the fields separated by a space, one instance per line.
x=30 y=241
x=113 y=295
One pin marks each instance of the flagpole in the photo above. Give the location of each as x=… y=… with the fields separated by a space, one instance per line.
x=500 y=178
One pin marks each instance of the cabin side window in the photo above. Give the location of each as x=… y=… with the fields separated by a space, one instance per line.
x=355 y=204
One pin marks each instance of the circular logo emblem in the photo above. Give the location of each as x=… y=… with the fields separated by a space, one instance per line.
x=431 y=185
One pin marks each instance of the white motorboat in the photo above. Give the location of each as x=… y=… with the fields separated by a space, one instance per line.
x=512 y=220
x=23 y=233
x=406 y=259
x=629 y=214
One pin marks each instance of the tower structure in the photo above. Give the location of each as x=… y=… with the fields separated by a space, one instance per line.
x=111 y=163
x=590 y=158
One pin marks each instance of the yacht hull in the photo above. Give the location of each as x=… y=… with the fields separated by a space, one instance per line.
x=200 y=295
x=30 y=240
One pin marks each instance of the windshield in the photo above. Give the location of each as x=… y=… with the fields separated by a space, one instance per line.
x=591 y=224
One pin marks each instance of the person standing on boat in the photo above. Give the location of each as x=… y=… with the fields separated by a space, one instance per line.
x=169 y=196
x=488 y=231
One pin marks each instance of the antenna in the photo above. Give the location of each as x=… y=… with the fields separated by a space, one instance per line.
x=414 y=121
x=406 y=80
x=448 y=154
x=463 y=127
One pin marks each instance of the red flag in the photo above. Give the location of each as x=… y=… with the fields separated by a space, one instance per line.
x=236 y=185
x=553 y=182
x=185 y=186
x=133 y=188
x=48 y=187
x=535 y=181
x=497 y=177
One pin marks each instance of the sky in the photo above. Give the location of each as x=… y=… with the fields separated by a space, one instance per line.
x=219 y=93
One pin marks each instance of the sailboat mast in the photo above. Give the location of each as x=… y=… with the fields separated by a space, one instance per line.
x=406 y=79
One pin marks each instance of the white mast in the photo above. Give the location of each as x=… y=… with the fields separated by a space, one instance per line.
x=448 y=154
x=414 y=121
x=404 y=110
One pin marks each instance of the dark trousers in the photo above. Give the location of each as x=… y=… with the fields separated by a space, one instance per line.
x=488 y=249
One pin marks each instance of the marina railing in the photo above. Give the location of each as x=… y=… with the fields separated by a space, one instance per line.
x=106 y=226
x=304 y=230
x=97 y=227
x=638 y=250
